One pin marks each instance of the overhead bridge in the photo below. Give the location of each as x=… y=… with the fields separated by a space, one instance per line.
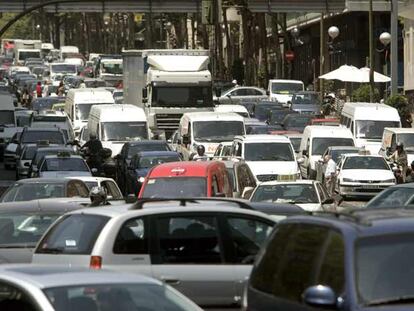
x=172 y=6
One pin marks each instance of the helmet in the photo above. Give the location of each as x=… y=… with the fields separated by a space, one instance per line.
x=97 y=195
x=92 y=136
x=400 y=145
x=200 y=148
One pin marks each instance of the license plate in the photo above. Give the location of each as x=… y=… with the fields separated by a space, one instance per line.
x=370 y=186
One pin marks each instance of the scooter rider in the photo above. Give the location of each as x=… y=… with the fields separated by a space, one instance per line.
x=94 y=147
x=400 y=157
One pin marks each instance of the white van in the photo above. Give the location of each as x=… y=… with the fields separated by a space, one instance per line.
x=80 y=101
x=282 y=90
x=392 y=136
x=67 y=50
x=315 y=140
x=208 y=129
x=239 y=109
x=367 y=122
x=114 y=125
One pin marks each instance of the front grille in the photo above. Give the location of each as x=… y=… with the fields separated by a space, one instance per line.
x=267 y=177
x=369 y=190
x=370 y=181
x=168 y=122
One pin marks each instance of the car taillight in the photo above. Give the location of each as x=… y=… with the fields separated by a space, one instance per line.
x=96 y=262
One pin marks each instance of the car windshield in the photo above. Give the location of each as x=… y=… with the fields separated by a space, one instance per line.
x=299 y=121
x=54 y=137
x=64 y=68
x=337 y=153
x=305 y=99
x=64 y=164
x=217 y=131
x=369 y=129
x=295 y=141
x=365 y=163
x=320 y=144
x=33 y=191
x=178 y=187
x=124 y=131
x=185 y=96
x=286 y=88
x=268 y=152
x=112 y=68
x=291 y=193
x=407 y=139
x=148 y=161
x=82 y=111
x=392 y=197
x=118 y=296
x=6 y=117
x=384 y=270
x=23 y=229
x=134 y=149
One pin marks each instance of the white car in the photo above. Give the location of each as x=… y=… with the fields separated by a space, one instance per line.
x=239 y=109
x=112 y=189
x=63 y=165
x=270 y=157
x=308 y=194
x=363 y=175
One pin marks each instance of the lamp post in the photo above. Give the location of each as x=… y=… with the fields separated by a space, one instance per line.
x=333 y=33
x=385 y=39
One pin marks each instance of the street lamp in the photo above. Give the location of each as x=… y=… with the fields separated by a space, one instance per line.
x=385 y=39
x=333 y=33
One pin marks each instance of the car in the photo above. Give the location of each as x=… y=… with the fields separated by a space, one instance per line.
x=326 y=121
x=141 y=164
x=22 y=224
x=308 y=194
x=28 y=288
x=362 y=175
x=261 y=110
x=258 y=129
x=277 y=116
x=234 y=95
x=24 y=161
x=359 y=260
x=41 y=188
x=50 y=118
x=398 y=196
x=306 y=102
x=123 y=159
x=335 y=152
x=63 y=164
x=23 y=117
x=187 y=179
x=41 y=152
x=239 y=109
x=295 y=122
x=112 y=190
x=278 y=211
x=189 y=247
x=46 y=103
x=241 y=177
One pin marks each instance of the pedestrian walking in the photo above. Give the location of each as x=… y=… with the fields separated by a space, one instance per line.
x=330 y=174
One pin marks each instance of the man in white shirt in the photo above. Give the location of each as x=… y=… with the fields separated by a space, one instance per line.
x=330 y=174
x=200 y=156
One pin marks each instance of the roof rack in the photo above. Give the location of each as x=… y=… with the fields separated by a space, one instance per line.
x=184 y=201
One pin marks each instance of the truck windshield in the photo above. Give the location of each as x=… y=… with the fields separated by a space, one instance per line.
x=286 y=88
x=179 y=187
x=217 y=131
x=112 y=68
x=268 y=152
x=124 y=131
x=182 y=96
x=6 y=117
x=29 y=54
x=64 y=68
x=373 y=129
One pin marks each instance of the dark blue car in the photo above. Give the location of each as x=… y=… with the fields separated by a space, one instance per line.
x=362 y=260
x=141 y=163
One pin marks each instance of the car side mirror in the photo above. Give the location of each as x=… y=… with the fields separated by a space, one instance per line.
x=320 y=296
x=131 y=198
x=305 y=153
x=329 y=201
x=247 y=192
x=186 y=139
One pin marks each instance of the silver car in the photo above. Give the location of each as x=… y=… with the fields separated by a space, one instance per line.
x=238 y=93
x=204 y=248
x=44 y=288
x=63 y=165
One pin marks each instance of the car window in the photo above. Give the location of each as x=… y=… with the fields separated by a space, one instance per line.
x=12 y=298
x=189 y=239
x=132 y=238
x=111 y=190
x=297 y=257
x=82 y=189
x=73 y=234
x=247 y=236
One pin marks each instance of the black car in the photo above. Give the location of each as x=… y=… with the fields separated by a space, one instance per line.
x=46 y=103
x=141 y=163
x=295 y=122
x=276 y=116
x=361 y=260
x=123 y=159
x=261 y=109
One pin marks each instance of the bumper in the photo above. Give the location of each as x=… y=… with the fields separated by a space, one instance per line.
x=359 y=190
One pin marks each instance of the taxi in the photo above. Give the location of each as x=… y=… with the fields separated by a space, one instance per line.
x=63 y=164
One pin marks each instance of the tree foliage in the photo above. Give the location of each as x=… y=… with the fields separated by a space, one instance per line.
x=362 y=94
x=22 y=29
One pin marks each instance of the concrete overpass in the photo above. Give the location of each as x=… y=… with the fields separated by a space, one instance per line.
x=173 y=6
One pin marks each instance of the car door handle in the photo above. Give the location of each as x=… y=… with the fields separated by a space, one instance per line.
x=171 y=281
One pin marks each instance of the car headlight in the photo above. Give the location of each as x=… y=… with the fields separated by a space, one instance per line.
x=141 y=179
x=392 y=180
x=348 y=180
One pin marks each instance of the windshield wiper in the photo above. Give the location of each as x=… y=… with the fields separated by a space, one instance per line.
x=389 y=301
x=51 y=250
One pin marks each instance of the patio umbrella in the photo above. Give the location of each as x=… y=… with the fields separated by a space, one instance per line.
x=378 y=78
x=345 y=73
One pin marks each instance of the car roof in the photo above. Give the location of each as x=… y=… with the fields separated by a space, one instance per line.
x=192 y=168
x=287 y=209
x=43 y=276
x=363 y=222
x=349 y=155
x=69 y=156
x=213 y=116
x=296 y=182
x=89 y=178
x=400 y=130
x=156 y=153
x=333 y=148
x=41 y=181
x=263 y=138
x=146 y=142
x=51 y=205
x=42 y=129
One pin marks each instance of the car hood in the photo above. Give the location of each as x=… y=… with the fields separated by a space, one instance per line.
x=310 y=207
x=273 y=167
x=306 y=107
x=367 y=174
x=62 y=174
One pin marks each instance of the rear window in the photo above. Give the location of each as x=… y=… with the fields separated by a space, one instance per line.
x=73 y=234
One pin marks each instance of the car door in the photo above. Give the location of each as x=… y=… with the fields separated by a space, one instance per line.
x=244 y=236
x=189 y=256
